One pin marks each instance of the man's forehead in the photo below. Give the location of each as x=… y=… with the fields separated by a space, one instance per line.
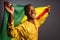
x=31 y=7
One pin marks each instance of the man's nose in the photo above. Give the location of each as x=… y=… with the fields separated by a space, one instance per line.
x=32 y=12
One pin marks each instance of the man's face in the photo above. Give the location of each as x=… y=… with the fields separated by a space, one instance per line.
x=31 y=12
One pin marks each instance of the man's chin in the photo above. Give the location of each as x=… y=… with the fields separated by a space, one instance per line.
x=32 y=17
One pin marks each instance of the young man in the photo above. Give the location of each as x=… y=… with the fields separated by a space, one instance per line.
x=27 y=30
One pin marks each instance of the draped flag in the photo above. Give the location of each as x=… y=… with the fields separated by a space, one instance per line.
x=19 y=17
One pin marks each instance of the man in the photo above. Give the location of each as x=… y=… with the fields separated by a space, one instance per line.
x=27 y=30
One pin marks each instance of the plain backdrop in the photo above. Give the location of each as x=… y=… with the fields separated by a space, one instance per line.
x=50 y=30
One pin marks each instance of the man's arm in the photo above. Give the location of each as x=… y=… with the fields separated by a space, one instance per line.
x=12 y=31
x=10 y=10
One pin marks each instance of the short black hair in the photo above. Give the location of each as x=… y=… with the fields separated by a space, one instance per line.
x=27 y=7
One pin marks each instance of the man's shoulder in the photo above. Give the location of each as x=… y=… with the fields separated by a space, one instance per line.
x=24 y=23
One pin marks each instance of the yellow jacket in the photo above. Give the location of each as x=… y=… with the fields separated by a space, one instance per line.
x=26 y=30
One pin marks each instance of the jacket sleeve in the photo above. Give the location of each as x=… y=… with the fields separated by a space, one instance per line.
x=12 y=31
x=16 y=31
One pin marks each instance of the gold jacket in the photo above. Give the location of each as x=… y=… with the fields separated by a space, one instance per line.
x=26 y=30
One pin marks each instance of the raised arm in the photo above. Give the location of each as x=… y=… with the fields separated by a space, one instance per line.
x=12 y=31
x=10 y=10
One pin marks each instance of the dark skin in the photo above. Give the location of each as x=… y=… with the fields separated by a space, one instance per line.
x=30 y=11
x=10 y=10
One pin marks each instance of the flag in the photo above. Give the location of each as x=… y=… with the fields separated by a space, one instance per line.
x=19 y=17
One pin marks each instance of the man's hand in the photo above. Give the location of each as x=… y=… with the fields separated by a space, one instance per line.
x=8 y=7
x=10 y=10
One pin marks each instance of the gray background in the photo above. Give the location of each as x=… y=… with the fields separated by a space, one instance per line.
x=50 y=30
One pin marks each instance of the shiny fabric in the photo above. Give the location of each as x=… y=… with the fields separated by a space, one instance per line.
x=26 y=30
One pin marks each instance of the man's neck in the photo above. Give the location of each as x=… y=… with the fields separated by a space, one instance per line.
x=31 y=20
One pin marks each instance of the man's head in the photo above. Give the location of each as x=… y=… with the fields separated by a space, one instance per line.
x=30 y=11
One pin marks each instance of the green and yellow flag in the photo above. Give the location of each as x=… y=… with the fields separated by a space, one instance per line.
x=19 y=17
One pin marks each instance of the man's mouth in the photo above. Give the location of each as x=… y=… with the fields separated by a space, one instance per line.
x=33 y=15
